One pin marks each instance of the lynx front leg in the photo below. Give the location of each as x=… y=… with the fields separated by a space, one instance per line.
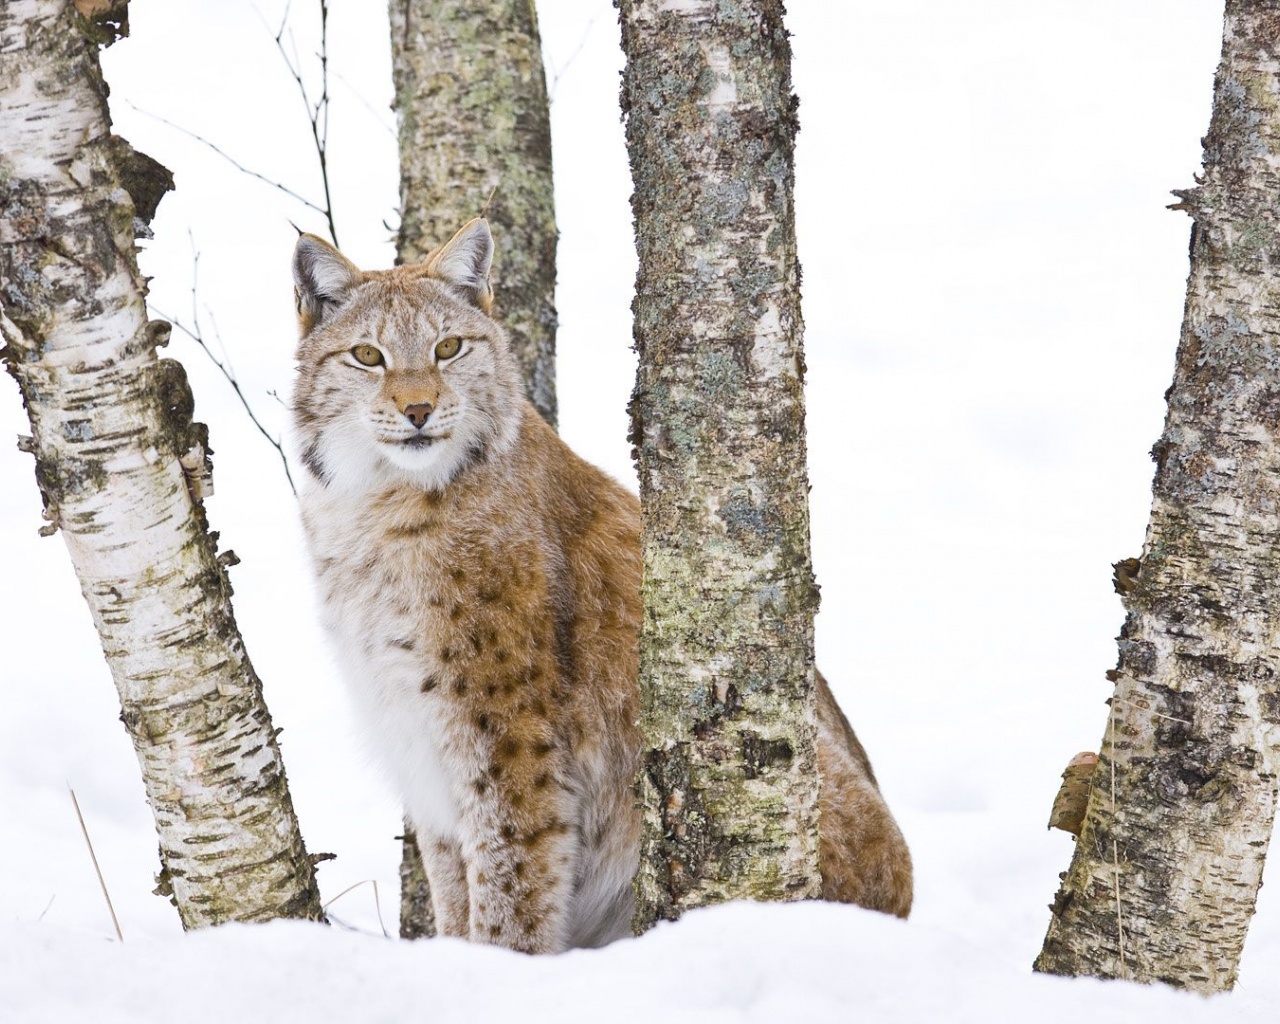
x=447 y=877
x=520 y=889
x=520 y=869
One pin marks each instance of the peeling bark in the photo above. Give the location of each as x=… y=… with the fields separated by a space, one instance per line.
x=111 y=428
x=1167 y=868
x=729 y=778
x=475 y=134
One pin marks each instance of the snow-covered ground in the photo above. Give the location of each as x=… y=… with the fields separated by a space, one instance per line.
x=992 y=295
x=733 y=964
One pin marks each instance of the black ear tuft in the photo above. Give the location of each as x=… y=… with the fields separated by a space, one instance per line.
x=464 y=262
x=322 y=278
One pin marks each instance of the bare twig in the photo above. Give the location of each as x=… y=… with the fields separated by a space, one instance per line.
x=197 y=337
x=383 y=123
x=1115 y=850
x=1115 y=863
x=559 y=73
x=195 y=332
x=94 y=857
x=236 y=163
x=318 y=119
x=317 y=112
x=377 y=902
x=1147 y=709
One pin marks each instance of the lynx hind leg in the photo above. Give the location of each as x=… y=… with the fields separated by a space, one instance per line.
x=861 y=853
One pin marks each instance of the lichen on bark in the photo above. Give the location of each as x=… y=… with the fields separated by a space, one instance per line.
x=1169 y=860
x=475 y=137
x=729 y=776
x=116 y=450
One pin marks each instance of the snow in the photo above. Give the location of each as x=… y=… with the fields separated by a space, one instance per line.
x=737 y=963
x=992 y=293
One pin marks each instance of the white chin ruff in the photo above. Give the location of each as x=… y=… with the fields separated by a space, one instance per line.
x=430 y=466
x=413 y=457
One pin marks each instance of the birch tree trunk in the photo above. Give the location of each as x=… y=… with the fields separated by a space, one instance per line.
x=111 y=432
x=475 y=132
x=729 y=778
x=1167 y=867
x=417 y=913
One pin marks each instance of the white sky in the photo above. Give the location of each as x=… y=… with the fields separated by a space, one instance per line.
x=992 y=291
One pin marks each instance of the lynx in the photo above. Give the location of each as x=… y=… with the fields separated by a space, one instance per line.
x=482 y=586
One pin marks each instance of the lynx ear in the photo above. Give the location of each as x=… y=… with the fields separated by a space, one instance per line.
x=464 y=262
x=322 y=279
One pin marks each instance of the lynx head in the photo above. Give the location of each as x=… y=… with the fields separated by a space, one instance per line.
x=402 y=374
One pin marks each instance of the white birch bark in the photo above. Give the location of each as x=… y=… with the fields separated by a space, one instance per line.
x=110 y=426
x=1168 y=864
x=729 y=780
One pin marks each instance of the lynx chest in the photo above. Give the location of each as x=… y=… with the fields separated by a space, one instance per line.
x=453 y=638
x=377 y=607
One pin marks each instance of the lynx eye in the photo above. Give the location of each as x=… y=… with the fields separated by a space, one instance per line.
x=368 y=355
x=448 y=348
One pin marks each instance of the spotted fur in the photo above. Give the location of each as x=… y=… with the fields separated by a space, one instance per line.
x=482 y=586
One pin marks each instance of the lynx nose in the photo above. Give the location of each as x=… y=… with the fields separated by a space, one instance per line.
x=418 y=413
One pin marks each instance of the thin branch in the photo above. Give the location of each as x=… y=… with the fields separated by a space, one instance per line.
x=377 y=902
x=383 y=123
x=94 y=857
x=196 y=336
x=236 y=163
x=196 y=333
x=1115 y=866
x=284 y=18
x=318 y=112
x=1115 y=850
x=1147 y=709
x=318 y=119
x=559 y=74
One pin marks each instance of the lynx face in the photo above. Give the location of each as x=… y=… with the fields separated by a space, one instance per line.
x=402 y=375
